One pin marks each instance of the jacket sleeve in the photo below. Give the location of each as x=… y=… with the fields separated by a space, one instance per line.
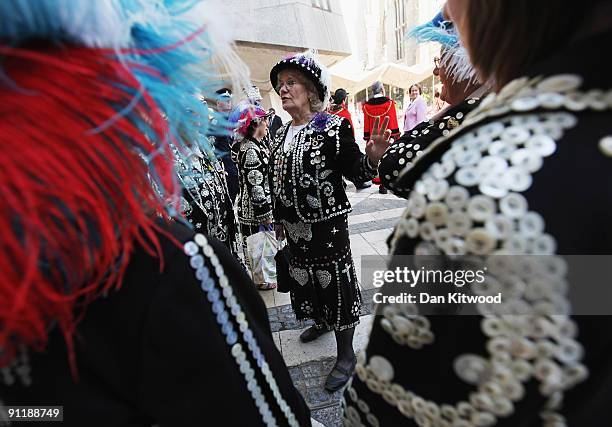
x=255 y=171
x=367 y=123
x=393 y=125
x=401 y=153
x=354 y=165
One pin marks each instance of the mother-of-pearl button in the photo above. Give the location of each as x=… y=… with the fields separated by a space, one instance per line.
x=479 y=241
x=456 y=197
x=544 y=145
x=481 y=208
x=436 y=213
x=531 y=224
x=514 y=135
x=605 y=146
x=381 y=368
x=526 y=159
x=514 y=205
x=560 y=83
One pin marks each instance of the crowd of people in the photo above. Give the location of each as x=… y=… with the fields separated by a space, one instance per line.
x=133 y=175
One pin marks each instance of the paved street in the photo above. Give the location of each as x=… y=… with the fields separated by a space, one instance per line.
x=370 y=223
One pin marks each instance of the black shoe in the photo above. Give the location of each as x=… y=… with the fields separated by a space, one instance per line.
x=363 y=185
x=382 y=190
x=312 y=334
x=334 y=383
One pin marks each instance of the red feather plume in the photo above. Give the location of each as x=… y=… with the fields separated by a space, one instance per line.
x=73 y=201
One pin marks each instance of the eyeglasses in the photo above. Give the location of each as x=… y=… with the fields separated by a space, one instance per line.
x=289 y=84
x=437 y=62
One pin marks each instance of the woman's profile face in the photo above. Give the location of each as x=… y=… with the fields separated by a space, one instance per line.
x=261 y=129
x=293 y=93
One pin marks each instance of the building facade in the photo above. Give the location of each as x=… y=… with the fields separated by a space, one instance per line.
x=267 y=30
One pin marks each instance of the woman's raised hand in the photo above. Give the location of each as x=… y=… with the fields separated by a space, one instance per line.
x=379 y=140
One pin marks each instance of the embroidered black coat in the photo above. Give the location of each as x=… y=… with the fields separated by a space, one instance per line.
x=411 y=144
x=307 y=180
x=254 y=201
x=528 y=173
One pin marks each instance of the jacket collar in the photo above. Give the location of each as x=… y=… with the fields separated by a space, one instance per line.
x=377 y=101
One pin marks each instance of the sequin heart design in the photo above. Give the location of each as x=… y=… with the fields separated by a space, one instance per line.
x=324 y=277
x=300 y=275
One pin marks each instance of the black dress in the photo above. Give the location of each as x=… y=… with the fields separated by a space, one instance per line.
x=528 y=173
x=310 y=201
x=189 y=346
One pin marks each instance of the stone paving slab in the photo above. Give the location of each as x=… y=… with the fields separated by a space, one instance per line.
x=297 y=353
x=379 y=204
x=377 y=224
x=282 y=318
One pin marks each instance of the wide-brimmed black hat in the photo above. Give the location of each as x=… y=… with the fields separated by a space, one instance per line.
x=339 y=96
x=310 y=66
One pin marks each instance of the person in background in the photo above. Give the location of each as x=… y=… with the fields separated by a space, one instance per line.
x=254 y=203
x=223 y=143
x=438 y=104
x=379 y=107
x=416 y=111
x=274 y=122
x=338 y=108
x=310 y=155
x=519 y=188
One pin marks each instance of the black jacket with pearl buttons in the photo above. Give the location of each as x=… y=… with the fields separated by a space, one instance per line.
x=307 y=177
x=528 y=173
x=406 y=149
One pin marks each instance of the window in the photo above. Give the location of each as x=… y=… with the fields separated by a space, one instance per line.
x=322 y=4
x=401 y=27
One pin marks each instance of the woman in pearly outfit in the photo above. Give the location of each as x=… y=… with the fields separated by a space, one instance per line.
x=252 y=155
x=310 y=155
x=514 y=183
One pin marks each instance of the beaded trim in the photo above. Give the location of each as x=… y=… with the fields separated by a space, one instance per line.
x=219 y=300
x=558 y=92
x=351 y=417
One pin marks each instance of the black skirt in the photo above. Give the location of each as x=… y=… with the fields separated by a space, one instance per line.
x=325 y=286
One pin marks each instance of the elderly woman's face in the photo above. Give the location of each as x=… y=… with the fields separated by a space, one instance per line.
x=453 y=91
x=293 y=92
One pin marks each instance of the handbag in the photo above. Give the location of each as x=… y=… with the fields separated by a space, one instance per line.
x=283 y=278
x=261 y=250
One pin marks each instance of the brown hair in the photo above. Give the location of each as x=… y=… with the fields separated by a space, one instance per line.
x=418 y=86
x=505 y=37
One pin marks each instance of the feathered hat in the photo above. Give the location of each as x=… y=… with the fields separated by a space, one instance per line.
x=93 y=94
x=455 y=58
x=245 y=114
x=311 y=66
